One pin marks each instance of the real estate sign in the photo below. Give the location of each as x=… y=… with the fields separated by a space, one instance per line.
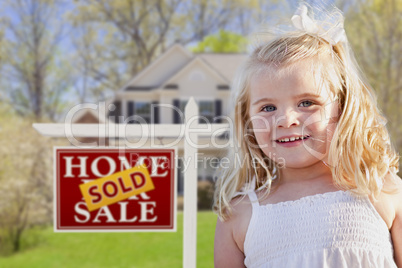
x=114 y=189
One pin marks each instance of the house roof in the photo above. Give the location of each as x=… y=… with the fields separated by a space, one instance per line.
x=160 y=70
x=226 y=64
x=197 y=61
x=171 y=64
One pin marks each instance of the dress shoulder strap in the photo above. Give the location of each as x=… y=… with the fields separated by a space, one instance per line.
x=253 y=199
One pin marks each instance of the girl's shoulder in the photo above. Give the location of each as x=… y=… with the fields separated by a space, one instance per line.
x=230 y=234
x=389 y=202
x=239 y=218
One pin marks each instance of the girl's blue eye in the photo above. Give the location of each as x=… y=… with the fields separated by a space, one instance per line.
x=306 y=103
x=268 y=108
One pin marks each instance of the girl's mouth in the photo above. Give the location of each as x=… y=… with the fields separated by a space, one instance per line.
x=292 y=139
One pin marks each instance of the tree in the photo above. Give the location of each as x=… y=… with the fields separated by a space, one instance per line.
x=115 y=40
x=25 y=179
x=200 y=18
x=375 y=29
x=226 y=42
x=35 y=75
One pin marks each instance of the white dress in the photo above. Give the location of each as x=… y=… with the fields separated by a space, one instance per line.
x=335 y=229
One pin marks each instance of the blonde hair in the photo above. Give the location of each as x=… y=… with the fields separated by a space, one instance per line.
x=360 y=147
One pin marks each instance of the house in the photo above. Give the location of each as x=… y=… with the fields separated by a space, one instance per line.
x=159 y=93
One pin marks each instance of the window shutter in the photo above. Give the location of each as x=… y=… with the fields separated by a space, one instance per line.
x=116 y=113
x=218 y=111
x=176 y=115
x=155 y=108
x=130 y=110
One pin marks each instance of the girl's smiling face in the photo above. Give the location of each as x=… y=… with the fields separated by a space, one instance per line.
x=293 y=115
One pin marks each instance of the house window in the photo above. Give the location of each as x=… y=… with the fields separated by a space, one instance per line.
x=143 y=110
x=171 y=86
x=207 y=111
x=178 y=118
x=182 y=105
x=139 y=112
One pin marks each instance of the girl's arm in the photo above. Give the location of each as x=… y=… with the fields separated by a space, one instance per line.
x=396 y=233
x=230 y=235
x=396 y=229
x=395 y=184
x=226 y=251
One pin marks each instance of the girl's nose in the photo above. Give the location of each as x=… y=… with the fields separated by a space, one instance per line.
x=287 y=119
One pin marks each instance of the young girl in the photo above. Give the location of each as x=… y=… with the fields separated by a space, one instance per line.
x=313 y=180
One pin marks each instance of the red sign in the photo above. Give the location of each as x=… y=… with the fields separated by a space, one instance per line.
x=114 y=189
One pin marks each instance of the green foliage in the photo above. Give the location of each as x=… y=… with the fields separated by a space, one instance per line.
x=205 y=195
x=25 y=179
x=222 y=42
x=375 y=29
x=114 y=249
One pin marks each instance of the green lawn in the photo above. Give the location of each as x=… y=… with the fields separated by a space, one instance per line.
x=114 y=249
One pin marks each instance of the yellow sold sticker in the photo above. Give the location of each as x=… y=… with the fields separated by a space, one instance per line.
x=116 y=187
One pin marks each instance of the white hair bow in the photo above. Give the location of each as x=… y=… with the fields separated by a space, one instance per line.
x=304 y=23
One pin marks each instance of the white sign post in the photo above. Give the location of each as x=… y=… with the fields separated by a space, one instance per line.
x=190 y=135
x=190 y=187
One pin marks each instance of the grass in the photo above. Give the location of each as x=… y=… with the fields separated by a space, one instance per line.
x=143 y=250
